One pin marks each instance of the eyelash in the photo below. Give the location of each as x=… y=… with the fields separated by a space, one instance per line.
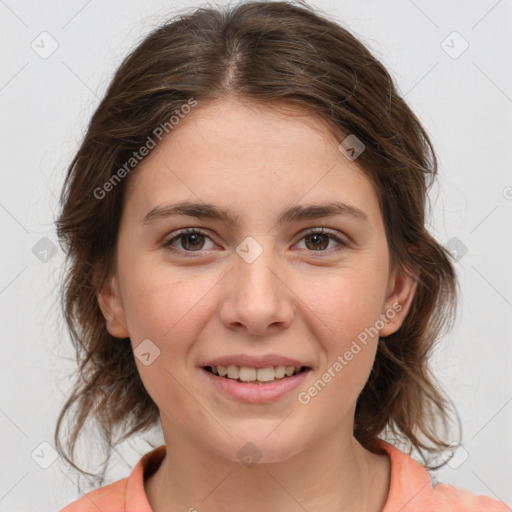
x=314 y=231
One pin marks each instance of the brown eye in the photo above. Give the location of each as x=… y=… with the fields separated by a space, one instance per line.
x=319 y=240
x=190 y=240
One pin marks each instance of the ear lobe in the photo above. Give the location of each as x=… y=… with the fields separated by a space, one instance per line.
x=401 y=290
x=111 y=305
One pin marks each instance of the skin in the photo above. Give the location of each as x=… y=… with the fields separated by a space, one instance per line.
x=293 y=300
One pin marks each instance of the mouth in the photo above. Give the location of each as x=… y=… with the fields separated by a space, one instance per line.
x=248 y=384
x=256 y=376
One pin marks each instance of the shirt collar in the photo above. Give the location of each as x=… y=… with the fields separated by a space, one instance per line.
x=410 y=483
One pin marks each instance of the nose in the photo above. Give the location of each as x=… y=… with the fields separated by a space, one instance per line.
x=257 y=298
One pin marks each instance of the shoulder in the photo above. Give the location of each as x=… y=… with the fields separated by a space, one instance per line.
x=411 y=489
x=127 y=494
x=110 y=497
x=446 y=497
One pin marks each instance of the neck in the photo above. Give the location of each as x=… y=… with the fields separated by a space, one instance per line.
x=344 y=479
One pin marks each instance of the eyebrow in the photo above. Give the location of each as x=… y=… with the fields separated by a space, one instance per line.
x=292 y=214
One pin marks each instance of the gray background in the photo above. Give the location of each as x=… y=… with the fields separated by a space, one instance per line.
x=464 y=99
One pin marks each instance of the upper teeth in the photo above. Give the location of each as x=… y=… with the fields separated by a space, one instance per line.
x=247 y=374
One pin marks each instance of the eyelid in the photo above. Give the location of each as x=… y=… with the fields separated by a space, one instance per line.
x=175 y=235
x=335 y=235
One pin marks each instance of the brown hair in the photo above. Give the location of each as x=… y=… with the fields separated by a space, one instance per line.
x=272 y=53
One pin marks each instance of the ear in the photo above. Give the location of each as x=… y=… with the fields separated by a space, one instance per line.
x=112 y=308
x=400 y=293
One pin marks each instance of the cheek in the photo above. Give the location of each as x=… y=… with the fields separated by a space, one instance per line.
x=164 y=306
x=344 y=317
x=345 y=302
x=168 y=307
x=171 y=310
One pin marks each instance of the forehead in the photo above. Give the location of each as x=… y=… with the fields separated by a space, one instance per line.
x=234 y=151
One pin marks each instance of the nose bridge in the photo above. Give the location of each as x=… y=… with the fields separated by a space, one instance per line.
x=257 y=297
x=256 y=268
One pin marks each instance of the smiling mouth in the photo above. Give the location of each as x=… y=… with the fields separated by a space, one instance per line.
x=247 y=375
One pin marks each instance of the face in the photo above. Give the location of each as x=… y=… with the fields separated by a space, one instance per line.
x=267 y=276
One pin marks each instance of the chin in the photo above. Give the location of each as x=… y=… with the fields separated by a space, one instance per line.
x=260 y=448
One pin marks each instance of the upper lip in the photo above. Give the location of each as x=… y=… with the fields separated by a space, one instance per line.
x=254 y=361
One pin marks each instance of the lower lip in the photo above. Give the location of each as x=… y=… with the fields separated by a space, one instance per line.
x=252 y=391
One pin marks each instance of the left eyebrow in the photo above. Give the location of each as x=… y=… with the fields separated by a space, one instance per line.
x=292 y=214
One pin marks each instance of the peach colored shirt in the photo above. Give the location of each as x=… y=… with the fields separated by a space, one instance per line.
x=410 y=490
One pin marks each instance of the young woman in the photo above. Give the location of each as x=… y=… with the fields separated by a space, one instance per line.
x=249 y=269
